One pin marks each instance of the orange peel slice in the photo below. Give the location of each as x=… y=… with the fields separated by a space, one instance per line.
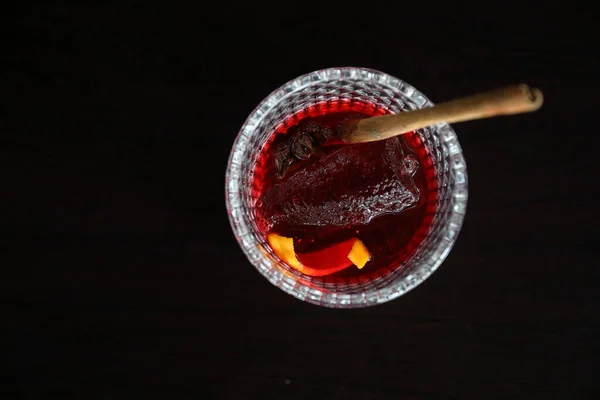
x=284 y=248
x=354 y=250
x=359 y=255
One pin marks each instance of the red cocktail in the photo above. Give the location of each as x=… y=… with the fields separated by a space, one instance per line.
x=325 y=195
x=343 y=225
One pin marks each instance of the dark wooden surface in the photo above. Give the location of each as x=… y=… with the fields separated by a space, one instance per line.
x=121 y=278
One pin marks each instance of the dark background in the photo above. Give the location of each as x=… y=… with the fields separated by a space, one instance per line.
x=121 y=278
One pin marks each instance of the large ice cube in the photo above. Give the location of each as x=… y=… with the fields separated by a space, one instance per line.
x=349 y=186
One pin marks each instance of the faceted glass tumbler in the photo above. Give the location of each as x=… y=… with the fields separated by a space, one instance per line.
x=367 y=86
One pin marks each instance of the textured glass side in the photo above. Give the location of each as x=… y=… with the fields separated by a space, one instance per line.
x=346 y=84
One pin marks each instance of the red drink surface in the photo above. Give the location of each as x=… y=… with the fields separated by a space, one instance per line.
x=368 y=191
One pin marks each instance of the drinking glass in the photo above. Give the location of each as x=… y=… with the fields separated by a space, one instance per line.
x=343 y=84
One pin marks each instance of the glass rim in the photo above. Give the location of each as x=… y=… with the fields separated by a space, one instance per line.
x=399 y=286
